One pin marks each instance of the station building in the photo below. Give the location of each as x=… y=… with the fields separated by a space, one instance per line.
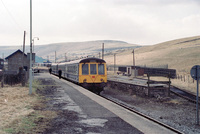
x=18 y=60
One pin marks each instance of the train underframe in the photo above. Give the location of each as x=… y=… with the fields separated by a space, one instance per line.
x=94 y=87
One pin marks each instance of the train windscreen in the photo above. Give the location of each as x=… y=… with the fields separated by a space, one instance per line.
x=93 y=69
x=85 y=69
x=101 y=69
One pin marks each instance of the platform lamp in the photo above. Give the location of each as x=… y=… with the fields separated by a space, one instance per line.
x=33 y=42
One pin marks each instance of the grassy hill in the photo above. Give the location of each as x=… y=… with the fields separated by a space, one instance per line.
x=180 y=54
x=71 y=49
x=80 y=49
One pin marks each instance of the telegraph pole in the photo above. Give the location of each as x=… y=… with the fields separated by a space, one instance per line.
x=114 y=62
x=55 y=56
x=102 y=51
x=134 y=63
x=133 y=58
x=30 y=70
x=65 y=57
x=23 y=49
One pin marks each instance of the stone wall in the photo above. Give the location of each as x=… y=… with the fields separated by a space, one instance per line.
x=15 y=62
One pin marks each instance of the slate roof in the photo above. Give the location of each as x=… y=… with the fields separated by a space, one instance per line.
x=15 y=53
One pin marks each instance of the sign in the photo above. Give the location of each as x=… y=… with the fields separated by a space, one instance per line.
x=170 y=73
x=195 y=72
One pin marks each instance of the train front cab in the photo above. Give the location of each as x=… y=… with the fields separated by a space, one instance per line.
x=93 y=75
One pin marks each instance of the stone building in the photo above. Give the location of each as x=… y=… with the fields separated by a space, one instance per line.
x=17 y=60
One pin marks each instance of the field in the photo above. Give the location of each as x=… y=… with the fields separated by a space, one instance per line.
x=181 y=54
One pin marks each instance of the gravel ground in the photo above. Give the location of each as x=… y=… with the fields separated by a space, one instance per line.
x=173 y=111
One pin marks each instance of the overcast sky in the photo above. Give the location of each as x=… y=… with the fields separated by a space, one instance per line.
x=143 y=22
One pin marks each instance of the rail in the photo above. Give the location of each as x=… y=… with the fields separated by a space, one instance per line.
x=143 y=115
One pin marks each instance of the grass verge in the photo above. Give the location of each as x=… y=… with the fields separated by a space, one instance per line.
x=35 y=118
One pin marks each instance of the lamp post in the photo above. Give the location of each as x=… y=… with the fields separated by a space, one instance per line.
x=102 y=51
x=30 y=70
x=33 y=54
x=33 y=42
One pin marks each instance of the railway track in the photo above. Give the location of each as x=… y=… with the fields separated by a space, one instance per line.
x=184 y=94
x=141 y=114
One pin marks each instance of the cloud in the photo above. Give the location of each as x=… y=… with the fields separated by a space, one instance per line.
x=134 y=21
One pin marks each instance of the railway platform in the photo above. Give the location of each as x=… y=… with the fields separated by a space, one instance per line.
x=141 y=87
x=93 y=114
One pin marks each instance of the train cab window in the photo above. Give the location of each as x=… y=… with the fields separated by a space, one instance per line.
x=101 y=69
x=85 y=69
x=93 y=69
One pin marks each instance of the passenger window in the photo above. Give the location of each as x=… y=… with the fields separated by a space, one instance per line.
x=93 y=69
x=101 y=69
x=84 y=69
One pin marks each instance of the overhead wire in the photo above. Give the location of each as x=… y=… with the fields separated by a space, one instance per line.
x=11 y=16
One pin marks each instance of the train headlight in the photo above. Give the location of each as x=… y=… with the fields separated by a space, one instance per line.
x=102 y=80
x=85 y=80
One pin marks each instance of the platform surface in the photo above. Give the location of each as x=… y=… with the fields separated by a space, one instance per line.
x=97 y=114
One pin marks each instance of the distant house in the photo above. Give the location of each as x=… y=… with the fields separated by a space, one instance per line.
x=1 y=63
x=17 y=60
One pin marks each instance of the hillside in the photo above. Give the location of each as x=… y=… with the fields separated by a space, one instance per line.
x=80 y=49
x=72 y=49
x=180 y=54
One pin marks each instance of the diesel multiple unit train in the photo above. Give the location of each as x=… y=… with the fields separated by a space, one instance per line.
x=90 y=73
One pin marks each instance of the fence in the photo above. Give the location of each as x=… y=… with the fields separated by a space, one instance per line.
x=12 y=78
x=185 y=78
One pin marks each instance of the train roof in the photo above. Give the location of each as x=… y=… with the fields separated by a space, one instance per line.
x=92 y=60
x=86 y=60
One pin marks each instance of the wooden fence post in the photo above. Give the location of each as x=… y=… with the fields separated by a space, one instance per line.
x=168 y=93
x=149 y=90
